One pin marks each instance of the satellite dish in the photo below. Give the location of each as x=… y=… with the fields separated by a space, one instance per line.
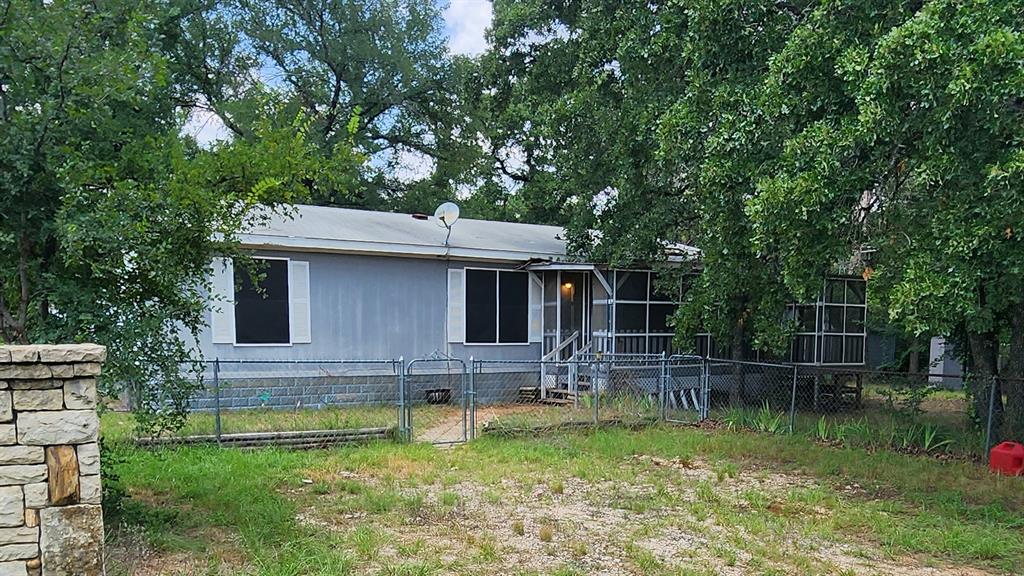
x=447 y=214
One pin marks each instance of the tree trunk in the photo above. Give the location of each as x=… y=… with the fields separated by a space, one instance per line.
x=914 y=361
x=1010 y=378
x=985 y=366
x=736 y=393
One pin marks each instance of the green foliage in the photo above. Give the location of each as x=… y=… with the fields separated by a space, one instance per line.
x=763 y=419
x=376 y=73
x=111 y=218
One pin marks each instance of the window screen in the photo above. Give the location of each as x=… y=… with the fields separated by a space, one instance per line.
x=261 y=307
x=513 y=307
x=497 y=307
x=630 y=318
x=661 y=315
x=631 y=286
x=832 y=350
x=481 y=306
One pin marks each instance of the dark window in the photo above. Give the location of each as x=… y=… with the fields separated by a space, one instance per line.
x=832 y=352
x=631 y=286
x=630 y=318
x=803 y=349
x=513 y=307
x=854 y=320
x=664 y=289
x=261 y=307
x=855 y=291
x=481 y=306
x=497 y=307
x=833 y=319
x=660 y=316
x=805 y=318
x=834 y=291
x=854 y=350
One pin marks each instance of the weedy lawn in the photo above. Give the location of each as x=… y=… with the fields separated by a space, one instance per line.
x=661 y=501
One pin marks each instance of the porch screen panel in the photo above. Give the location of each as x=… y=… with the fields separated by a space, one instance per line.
x=513 y=307
x=481 y=306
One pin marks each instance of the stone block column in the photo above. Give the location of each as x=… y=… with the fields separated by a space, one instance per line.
x=51 y=522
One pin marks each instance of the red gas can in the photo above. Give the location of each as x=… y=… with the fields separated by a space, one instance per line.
x=1007 y=458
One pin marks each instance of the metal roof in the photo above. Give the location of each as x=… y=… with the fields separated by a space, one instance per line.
x=324 y=229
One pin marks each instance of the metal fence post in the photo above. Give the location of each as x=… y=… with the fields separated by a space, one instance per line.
x=472 y=399
x=991 y=409
x=465 y=402
x=663 y=387
x=216 y=399
x=401 y=398
x=403 y=379
x=595 y=392
x=705 y=389
x=792 y=402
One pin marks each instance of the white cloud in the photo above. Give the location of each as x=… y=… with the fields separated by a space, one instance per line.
x=206 y=127
x=412 y=166
x=467 y=20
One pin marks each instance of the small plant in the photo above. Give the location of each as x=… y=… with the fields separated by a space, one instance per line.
x=547 y=533
x=768 y=420
x=857 y=432
x=449 y=499
x=931 y=440
x=822 y=431
x=578 y=549
x=557 y=487
x=517 y=528
x=735 y=419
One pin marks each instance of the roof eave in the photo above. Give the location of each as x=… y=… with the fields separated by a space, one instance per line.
x=293 y=244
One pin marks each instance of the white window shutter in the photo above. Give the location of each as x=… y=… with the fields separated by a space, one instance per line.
x=456 y=306
x=298 y=306
x=222 y=302
x=536 y=308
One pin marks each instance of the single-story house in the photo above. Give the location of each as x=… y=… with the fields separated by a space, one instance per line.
x=354 y=284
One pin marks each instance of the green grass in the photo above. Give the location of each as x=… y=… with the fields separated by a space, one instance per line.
x=120 y=425
x=944 y=512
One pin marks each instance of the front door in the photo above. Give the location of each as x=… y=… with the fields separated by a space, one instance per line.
x=567 y=302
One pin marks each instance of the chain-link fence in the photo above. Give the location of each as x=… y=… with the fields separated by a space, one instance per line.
x=938 y=414
x=305 y=403
x=446 y=400
x=1004 y=410
x=513 y=397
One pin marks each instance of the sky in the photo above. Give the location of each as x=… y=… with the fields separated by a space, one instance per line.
x=465 y=24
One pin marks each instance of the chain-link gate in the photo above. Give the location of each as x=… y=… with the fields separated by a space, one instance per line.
x=435 y=401
x=685 y=396
x=521 y=396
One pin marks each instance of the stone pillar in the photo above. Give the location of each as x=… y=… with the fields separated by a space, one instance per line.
x=51 y=522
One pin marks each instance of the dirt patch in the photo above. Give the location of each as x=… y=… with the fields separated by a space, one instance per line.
x=671 y=514
x=129 y=554
x=447 y=427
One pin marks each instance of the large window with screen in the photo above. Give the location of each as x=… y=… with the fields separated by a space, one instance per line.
x=643 y=312
x=497 y=306
x=261 y=303
x=843 y=311
x=832 y=330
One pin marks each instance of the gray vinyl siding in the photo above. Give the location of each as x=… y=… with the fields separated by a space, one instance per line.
x=373 y=307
